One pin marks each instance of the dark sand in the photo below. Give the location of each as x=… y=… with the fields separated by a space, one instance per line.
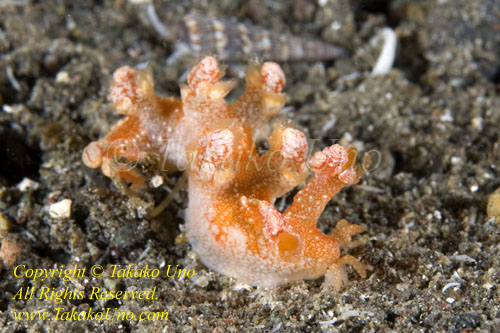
x=433 y=253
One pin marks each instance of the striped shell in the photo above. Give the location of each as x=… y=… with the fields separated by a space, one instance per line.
x=232 y=41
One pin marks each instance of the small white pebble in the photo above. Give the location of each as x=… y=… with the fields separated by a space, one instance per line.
x=487 y=285
x=455 y=160
x=474 y=188
x=7 y=108
x=336 y=25
x=111 y=284
x=61 y=209
x=157 y=181
x=13 y=109
x=27 y=184
x=70 y=23
x=346 y=138
x=450 y=300
x=447 y=117
x=202 y=281
x=63 y=77
x=477 y=123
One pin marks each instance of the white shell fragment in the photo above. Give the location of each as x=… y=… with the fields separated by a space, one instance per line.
x=61 y=209
x=157 y=181
x=388 y=54
x=26 y=185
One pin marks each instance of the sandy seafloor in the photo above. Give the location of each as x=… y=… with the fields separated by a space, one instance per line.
x=433 y=254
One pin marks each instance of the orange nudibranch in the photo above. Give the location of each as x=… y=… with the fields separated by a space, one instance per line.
x=231 y=221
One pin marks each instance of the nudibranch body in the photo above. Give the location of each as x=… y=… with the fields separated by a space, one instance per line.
x=231 y=221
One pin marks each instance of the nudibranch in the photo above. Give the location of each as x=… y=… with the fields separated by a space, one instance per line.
x=231 y=221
